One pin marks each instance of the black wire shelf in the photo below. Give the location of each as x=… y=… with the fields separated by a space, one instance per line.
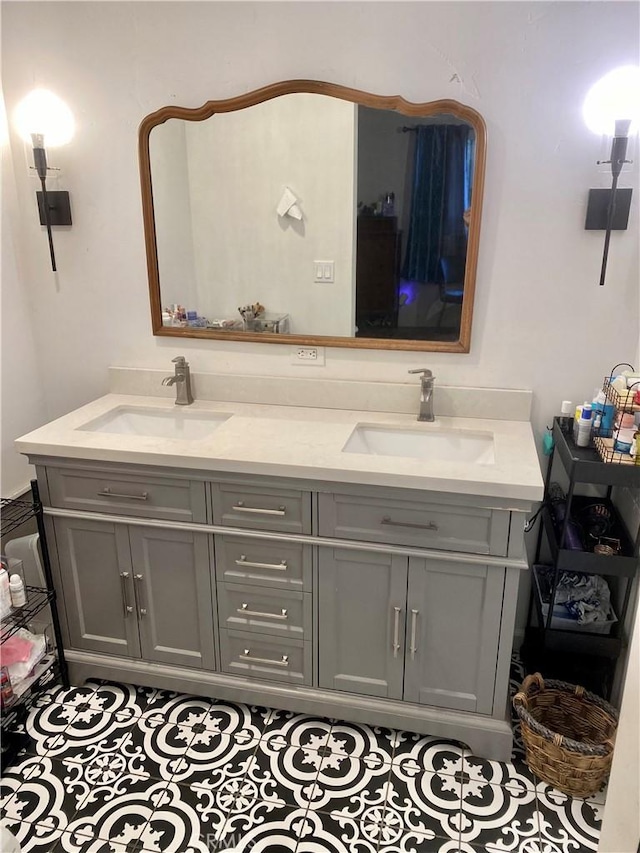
x=13 y=514
x=19 y=617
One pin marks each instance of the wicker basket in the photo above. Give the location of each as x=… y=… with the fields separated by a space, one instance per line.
x=568 y=734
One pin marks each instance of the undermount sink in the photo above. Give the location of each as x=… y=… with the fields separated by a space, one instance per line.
x=158 y=423
x=423 y=443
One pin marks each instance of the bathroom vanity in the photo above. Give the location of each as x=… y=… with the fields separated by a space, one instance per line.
x=264 y=561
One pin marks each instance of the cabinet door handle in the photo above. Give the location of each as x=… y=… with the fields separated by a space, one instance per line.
x=277 y=567
x=107 y=493
x=124 y=577
x=141 y=610
x=429 y=526
x=244 y=609
x=246 y=655
x=414 y=619
x=240 y=507
x=396 y=632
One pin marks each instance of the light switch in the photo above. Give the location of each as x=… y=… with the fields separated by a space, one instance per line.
x=323 y=271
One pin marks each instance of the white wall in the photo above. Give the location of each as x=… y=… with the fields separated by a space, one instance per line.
x=22 y=398
x=540 y=319
x=172 y=213
x=621 y=822
x=239 y=166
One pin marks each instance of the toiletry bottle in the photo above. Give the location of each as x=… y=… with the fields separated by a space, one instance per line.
x=584 y=426
x=576 y=419
x=6 y=690
x=16 y=588
x=566 y=415
x=625 y=431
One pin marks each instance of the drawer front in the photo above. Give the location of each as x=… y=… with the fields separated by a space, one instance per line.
x=423 y=524
x=123 y=494
x=270 y=658
x=261 y=508
x=264 y=611
x=281 y=565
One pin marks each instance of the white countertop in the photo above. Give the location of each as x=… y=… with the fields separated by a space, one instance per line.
x=291 y=441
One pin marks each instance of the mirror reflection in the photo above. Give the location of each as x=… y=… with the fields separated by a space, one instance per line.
x=310 y=215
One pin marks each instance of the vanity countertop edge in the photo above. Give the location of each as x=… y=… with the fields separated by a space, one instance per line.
x=300 y=443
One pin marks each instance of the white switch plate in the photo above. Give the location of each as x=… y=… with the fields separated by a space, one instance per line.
x=308 y=356
x=323 y=271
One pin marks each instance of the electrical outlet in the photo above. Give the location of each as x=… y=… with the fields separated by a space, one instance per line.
x=308 y=355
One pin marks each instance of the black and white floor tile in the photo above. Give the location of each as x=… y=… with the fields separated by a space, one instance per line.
x=113 y=768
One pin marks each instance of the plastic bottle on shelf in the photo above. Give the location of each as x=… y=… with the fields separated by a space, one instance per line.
x=584 y=426
x=625 y=431
x=18 y=594
x=6 y=690
x=566 y=415
x=576 y=418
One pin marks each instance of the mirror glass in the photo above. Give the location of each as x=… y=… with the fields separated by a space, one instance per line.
x=321 y=215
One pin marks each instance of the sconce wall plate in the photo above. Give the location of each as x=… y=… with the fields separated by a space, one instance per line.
x=598 y=209
x=59 y=207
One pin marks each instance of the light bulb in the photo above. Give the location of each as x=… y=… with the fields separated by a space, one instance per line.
x=614 y=96
x=42 y=112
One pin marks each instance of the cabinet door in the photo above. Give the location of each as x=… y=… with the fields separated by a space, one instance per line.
x=453 y=627
x=173 y=596
x=361 y=611
x=97 y=579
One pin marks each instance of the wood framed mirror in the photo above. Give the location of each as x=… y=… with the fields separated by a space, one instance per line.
x=308 y=213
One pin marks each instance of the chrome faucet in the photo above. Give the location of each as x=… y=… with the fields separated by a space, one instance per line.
x=426 y=394
x=182 y=380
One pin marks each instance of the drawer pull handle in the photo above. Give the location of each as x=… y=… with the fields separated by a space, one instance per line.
x=124 y=576
x=141 y=610
x=244 y=609
x=396 y=632
x=414 y=619
x=429 y=526
x=277 y=567
x=107 y=493
x=240 y=507
x=246 y=655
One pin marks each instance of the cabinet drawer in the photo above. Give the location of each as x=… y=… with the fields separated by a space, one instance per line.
x=419 y=523
x=254 y=561
x=270 y=658
x=261 y=508
x=127 y=494
x=265 y=611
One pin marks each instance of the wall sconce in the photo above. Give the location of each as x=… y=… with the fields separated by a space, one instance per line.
x=40 y=117
x=612 y=108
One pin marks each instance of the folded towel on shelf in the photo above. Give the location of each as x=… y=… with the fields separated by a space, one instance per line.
x=16 y=649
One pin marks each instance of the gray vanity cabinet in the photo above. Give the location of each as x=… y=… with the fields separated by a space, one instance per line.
x=453 y=629
x=94 y=561
x=137 y=591
x=173 y=596
x=361 y=605
x=387 y=607
x=425 y=631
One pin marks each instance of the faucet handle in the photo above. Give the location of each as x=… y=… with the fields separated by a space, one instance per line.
x=424 y=371
x=180 y=360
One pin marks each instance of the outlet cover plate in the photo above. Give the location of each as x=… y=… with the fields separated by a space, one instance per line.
x=307 y=356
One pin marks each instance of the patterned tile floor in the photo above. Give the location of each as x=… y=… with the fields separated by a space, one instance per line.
x=111 y=768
